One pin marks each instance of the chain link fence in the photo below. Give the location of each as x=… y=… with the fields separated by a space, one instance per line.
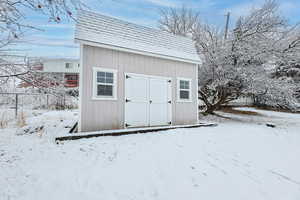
x=16 y=102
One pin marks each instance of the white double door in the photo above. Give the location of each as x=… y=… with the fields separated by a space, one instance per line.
x=148 y=101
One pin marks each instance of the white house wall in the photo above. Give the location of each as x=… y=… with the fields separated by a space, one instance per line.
x=60 y=66
x=101 y=115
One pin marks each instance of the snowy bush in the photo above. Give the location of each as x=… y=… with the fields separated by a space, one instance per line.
x=279 y=95
x=289 y=72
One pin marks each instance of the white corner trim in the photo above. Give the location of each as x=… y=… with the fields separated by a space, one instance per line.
x=190 y=100
x=80 y=88
x=197 y=92
x=115 y=84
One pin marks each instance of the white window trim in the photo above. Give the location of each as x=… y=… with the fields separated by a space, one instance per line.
x=115 y=84
x=178 y=90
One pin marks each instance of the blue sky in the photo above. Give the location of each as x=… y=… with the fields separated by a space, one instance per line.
x=56 y=40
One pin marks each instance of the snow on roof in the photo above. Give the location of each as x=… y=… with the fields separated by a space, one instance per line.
x=112 y=32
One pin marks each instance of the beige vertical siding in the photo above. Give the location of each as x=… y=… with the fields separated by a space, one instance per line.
x=101 y=115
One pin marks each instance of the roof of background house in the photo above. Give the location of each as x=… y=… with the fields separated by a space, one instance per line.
x=45 y=59
x=113 y=33
x=49 y=59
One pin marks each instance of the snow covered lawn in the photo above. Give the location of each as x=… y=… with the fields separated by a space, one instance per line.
x=240 y=159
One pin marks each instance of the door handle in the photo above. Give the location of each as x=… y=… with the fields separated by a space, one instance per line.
x=150 y=101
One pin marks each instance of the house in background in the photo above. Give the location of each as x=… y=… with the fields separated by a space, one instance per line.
x=134 y=76
x=61 y=69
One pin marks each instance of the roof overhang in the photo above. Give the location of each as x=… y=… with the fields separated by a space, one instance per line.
x=145 y=53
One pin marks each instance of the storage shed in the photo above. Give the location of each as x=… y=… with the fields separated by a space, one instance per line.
x=134 y=76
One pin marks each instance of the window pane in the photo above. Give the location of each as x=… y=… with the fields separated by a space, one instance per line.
x=100 y=80
x=109 y=80
x=109 y=74
x=101 y=74
x=105 y=77
x=181 y=84
x=100 y=90
x=184 y=94
x=187 y=85
x=105 y=90
x=109 y=90
x=109 y=77
x=184 y=84
x=101 y=77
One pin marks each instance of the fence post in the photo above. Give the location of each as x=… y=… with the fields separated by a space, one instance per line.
x=64 y=101
x=16 y=108
x=47 y=101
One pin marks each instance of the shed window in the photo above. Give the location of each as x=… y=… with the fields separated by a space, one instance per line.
x=104 y=84
x=184 y=89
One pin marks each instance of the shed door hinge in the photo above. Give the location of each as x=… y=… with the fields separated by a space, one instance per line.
x=127 y=77
x=126 y=125
x=169 y=101
x=127 y=100
x=169 y=81
x=170 y=123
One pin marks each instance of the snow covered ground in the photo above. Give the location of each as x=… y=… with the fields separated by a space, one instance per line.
x=240 y=159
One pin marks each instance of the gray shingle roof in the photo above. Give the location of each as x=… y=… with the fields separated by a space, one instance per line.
x=97 y=28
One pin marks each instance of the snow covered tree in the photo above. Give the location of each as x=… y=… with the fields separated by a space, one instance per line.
x=257 y=39
x=178 y=21
x=288 y=63
x=238 y=65
x=219 y=81
x=13 y=26
x=13 y=13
